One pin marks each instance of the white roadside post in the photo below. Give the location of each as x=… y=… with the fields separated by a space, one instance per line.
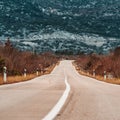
x=25 y=72
x=104 y=75
x=40 y=66
x=5 y=74
x=37 y=73
x=93 y=73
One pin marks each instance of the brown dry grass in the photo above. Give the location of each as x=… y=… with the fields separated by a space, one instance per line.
x=98 y=77
x=15 y=79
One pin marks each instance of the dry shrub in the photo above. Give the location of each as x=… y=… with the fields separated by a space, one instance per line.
x=100 y=63
x=16 y=61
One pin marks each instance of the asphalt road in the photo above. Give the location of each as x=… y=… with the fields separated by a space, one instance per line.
x=88 y=99
x=33 y=99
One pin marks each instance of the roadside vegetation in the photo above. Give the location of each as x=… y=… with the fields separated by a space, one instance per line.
x=102 y=67
x=17 y=61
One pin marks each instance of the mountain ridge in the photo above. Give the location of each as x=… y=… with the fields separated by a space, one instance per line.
x=23 y=18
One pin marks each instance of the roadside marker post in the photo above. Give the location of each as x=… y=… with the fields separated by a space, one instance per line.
x=25 y=72
x=105 y=75
x=5 y=74
x=93 y=73
x=37 y=73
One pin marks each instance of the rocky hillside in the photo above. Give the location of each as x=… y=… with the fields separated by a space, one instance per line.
x=86 y=25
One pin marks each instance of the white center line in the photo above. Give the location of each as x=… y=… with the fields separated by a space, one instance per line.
x=56 y=109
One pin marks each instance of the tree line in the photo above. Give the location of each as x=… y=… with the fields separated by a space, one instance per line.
x=100 y=63
x=16 y=61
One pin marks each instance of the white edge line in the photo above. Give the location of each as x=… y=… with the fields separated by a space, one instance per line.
x=56 y=109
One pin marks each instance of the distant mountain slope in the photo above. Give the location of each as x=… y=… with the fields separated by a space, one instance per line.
x=21 y=18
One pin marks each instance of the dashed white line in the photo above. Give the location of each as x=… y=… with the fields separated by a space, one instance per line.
x=56 y=109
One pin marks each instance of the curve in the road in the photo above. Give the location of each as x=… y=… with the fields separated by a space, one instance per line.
x=56 y=109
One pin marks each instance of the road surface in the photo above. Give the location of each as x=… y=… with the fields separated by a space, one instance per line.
x=88 y=99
